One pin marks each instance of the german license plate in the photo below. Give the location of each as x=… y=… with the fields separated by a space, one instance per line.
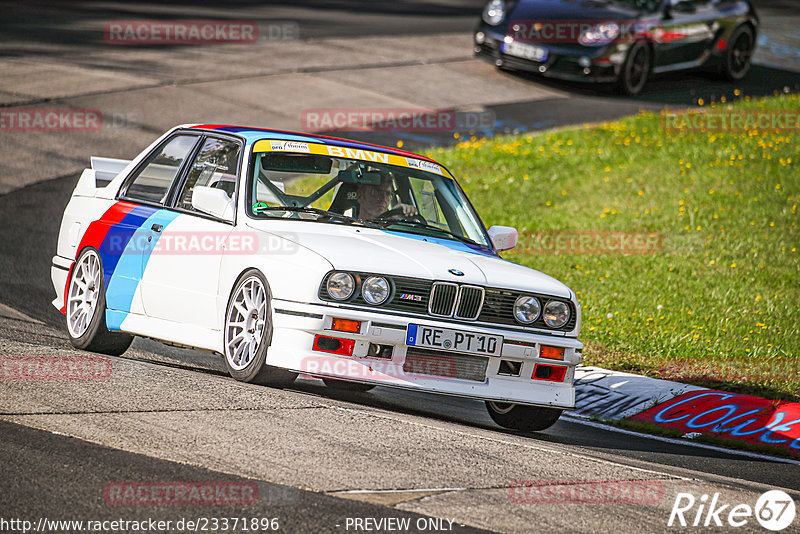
x=453 y=340
x=533 y=53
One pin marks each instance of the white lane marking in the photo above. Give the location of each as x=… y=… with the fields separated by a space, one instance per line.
x=11 y=313
x=675 y=441
x=396 y=490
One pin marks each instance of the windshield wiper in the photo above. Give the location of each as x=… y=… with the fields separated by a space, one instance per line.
x=387 y=222
x=322 y=213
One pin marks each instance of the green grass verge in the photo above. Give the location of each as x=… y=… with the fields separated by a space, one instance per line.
x=717 y=303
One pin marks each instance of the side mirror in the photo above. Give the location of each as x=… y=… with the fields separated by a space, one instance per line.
x=503 y=237
x=213 y=201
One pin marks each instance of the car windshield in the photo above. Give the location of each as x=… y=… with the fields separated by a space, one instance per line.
x=369 y=193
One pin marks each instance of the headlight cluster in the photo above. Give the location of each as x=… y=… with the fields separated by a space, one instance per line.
x=495 y=12
x=374 y=289
x=555 y=314
x=341 y=286
x=600 y=35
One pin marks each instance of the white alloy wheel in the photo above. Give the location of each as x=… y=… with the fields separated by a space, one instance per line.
x=245 y=322
x=84 y=290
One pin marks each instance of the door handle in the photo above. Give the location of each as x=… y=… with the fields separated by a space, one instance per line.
x=157 y=227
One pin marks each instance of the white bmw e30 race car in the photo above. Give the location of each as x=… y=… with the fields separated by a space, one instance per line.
x=289 y=253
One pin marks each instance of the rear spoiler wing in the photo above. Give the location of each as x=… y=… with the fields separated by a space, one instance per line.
x=106 y=169
x=101 y=173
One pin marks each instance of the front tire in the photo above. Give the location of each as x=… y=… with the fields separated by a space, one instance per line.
x=520 y=417
x=737 y=61
x=248 y=333
x=86 y=308
x=636 y=69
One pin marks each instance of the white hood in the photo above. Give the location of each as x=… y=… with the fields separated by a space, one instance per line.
x=354 y=248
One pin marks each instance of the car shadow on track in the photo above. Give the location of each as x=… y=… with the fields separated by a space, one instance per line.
x=472 y=413
x=681 y=89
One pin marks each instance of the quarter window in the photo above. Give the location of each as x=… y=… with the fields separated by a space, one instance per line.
x=215 y=166
x=153 y=182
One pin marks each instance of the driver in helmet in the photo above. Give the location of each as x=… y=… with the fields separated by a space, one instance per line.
x=374 y=200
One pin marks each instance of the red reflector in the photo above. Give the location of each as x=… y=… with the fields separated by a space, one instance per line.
x=346 y=325
x=551 y=353
x=603 y=60
x=334 y=345
x=551 y=373
x=722 y=45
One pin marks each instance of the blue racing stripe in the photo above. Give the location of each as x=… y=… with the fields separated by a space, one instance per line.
x=449 y=243
x=130 y=266
x=119 y=236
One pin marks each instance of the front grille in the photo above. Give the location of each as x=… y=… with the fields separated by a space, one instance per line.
x=469 y=303
x=443 y=299
x=410 y=295
x=447 y=299
x=445 y=364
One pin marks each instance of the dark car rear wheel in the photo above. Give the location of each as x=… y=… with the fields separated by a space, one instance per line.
x=519 y=417
x=636 y=69
x=737 y=61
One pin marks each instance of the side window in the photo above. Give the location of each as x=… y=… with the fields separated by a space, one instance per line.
x=427 y=202
x=215 y=166
x=154 y=180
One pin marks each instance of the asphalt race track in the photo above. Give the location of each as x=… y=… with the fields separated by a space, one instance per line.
x=318 y=458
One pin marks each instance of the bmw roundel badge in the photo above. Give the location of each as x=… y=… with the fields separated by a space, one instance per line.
x=456 y=272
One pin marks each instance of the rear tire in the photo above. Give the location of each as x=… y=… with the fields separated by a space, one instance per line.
x=343 y=385
x=635 y=70
x=86 y=308
x=737 y=61
x=520 y=417
x=248 y=333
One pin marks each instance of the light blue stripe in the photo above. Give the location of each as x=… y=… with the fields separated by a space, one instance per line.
x=130 y=268
x=449 y=243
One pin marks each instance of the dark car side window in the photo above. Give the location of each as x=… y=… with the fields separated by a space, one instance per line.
x=216 y=166
x=153 y=181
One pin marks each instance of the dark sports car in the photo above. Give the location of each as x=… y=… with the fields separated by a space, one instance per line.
x=620 y=41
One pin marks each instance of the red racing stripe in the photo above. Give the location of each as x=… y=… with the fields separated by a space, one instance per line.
x=95 y=234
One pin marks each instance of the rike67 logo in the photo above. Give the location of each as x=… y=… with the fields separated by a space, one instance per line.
x=774 y=510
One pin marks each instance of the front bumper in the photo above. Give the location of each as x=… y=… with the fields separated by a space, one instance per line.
x=480 y=377
x=563 y=62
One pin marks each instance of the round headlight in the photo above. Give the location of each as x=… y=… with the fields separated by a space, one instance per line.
x=526 y=309
x=341 y=286
x=495 y=12
x=375 y=290
x=556 y=314
x=599 y=35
